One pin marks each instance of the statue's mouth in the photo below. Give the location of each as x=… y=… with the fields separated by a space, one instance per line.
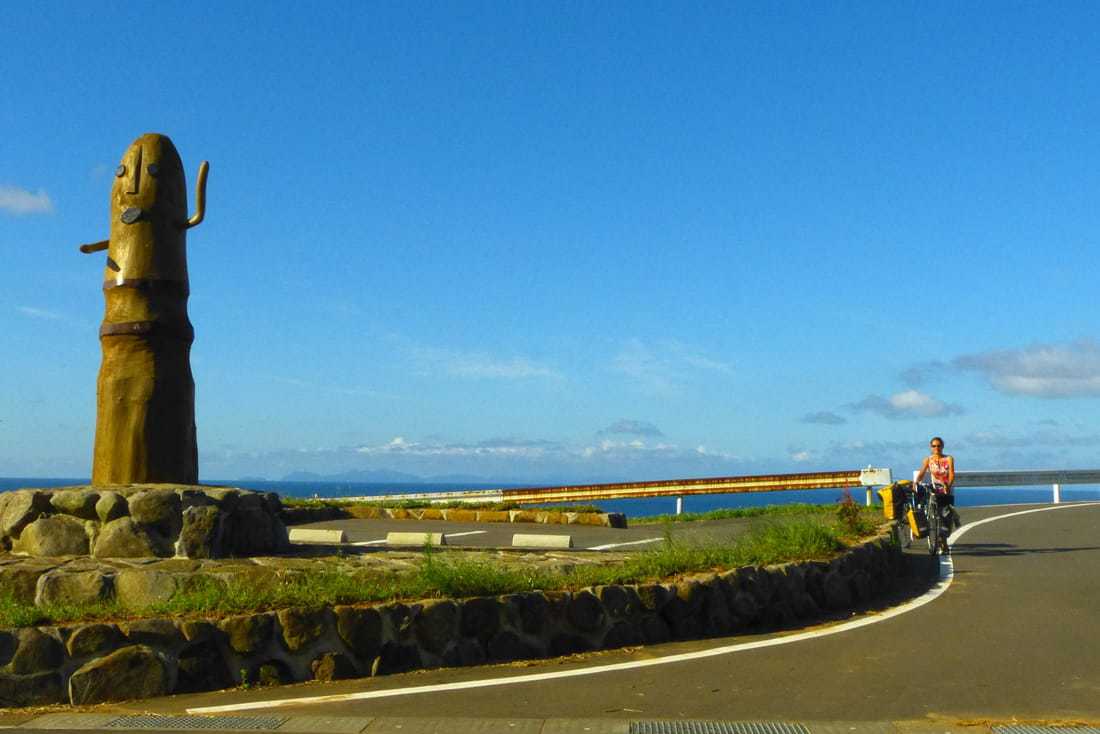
x=131 y=215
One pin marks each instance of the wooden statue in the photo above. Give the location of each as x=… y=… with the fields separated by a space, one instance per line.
x=145 y=399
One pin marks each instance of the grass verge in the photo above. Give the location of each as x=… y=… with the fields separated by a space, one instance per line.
x=775 y=539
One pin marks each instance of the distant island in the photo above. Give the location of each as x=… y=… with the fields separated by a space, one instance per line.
x=390 y=477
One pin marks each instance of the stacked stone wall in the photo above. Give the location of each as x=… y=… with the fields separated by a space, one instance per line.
x=109 y=661
x=141 y=521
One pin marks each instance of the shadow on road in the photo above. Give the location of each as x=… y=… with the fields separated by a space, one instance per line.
x=1007 y=549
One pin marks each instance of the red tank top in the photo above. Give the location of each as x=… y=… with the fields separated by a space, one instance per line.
x=938 y=468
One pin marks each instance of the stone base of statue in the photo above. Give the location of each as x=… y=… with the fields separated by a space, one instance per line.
x=142 y=521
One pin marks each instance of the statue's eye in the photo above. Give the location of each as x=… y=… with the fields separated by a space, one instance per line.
x=153 y=169
x=120 y=171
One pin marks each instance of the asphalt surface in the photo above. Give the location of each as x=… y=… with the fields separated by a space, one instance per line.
x=1013 y=637
x=499 y=535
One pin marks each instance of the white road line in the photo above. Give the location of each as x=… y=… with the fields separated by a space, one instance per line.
x=946 y=576
x=369 y=542
x=620 y=545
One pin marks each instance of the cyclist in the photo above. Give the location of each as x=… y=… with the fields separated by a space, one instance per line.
x=940 y=468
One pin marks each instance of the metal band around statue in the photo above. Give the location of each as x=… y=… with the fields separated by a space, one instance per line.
x=145 y=399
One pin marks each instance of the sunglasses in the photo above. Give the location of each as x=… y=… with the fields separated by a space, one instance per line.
x=937 y=445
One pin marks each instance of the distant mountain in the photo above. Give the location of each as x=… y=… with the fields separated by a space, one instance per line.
x=372 y=475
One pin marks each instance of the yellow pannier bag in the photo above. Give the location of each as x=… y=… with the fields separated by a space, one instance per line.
x=887 y=495
x=912 y=518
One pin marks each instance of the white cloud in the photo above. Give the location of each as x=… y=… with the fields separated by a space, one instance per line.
x=18 y=201
x=1066 y=370
x=478 y=365
x=906 y=404
x=664 y=366
x=825 y=418
x=40 y=313
x=631 y=427
x=334 y=389
x=400 y=446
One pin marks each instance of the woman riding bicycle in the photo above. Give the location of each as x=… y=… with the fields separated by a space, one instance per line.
x=940 y=468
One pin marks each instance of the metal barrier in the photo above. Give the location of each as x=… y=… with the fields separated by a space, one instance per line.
x=1027 y=478
x=678 y=488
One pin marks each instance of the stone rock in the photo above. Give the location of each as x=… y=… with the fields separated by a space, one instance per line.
x=200 y=536
x=333 y=666
x=202 y=668
x=652 y=597
x=159 y=509
x=622 y=634
x=532 y=611
x=655 y=630
x=20 y=508
x=271 y=673
x=111 y=506
x=139 y=588
x=132 y=672
x=76 y=502
x=248 y=633
x=124 y=538
x=618 y=601
x=715 y=617
x=585 y=611
x=252 y=528
x=396 y=658
x=746 y=607
x=465 y=651
x=36 y=652
x=92 y=639
x=54 y=535
x=804 y=606
x=74 y=587
x=361 y=630
x=507 y=645
x=861 y=586
x=480 y=618
x=436 y=625
x=40 y=689
x=160 y=633
x=7 y=647
x=838 y=594
x=20 y=580
x=566 y=644
x=197 y=630
x=302 y=626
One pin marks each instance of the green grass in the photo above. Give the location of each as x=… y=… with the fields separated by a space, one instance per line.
x=774 y=538
x=792 y=510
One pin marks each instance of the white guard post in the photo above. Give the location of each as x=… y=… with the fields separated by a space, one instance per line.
x=680 y=505
x=872 y=477
x=1057 y=493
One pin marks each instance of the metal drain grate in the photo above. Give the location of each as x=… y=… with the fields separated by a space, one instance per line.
x=716 y=727
x=1045 y=730
x=198 y=723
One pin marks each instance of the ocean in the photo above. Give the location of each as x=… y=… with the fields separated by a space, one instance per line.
x=967 y=497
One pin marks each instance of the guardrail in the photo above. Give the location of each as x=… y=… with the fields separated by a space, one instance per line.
x=1027 y=478
x=678 y=488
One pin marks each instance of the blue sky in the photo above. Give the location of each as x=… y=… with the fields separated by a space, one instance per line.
x=573 y=241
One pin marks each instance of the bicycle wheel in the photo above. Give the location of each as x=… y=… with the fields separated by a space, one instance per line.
x=933 y=526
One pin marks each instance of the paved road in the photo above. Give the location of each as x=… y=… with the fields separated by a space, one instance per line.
x=499 y=535
x=1014 y=635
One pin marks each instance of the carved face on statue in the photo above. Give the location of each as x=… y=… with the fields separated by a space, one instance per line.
x=148 y=213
